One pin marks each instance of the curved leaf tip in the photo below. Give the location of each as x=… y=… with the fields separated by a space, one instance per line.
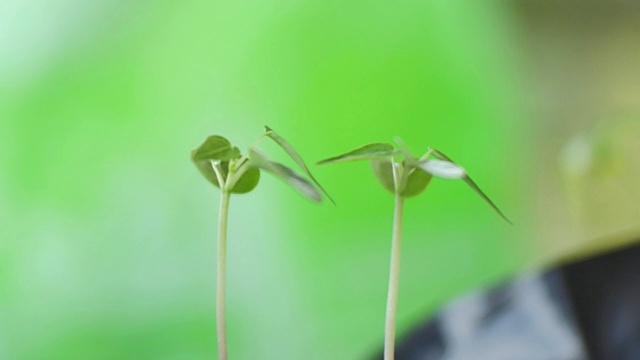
x=297 y=158
x=473 y=185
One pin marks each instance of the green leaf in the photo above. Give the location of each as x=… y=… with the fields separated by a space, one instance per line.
x=206 y=169
x=367 y=152
x=215 y=148
x=247 y=182
x=295 y=180
x=383 y=170
x=473 y=185
x=442 y=169
x=284 y=144
x=417 y=182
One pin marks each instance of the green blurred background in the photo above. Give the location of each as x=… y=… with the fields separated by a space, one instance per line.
x=107 y=247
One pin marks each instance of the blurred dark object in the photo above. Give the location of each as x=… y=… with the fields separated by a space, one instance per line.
x=589 y=309
x=605 y=296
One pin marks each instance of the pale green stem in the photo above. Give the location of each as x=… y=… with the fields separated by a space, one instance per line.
x=394 y=280
x=234 y=176
x=216 y=168
x=221 y=325
x=426 y=155
x=246 y=155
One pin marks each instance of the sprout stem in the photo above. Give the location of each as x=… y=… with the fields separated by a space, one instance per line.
x=246 y=155
x=394 y=280
x=221 y=325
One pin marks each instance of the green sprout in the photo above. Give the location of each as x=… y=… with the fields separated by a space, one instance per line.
x=234 y=173
x=405 y=176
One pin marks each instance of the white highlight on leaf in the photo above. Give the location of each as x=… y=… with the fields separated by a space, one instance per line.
x=443 y=169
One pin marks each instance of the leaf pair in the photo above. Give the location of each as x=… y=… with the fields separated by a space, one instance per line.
x=400 y=172
x=218 y=150
x=217 y=159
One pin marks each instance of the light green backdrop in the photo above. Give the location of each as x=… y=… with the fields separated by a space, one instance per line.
x=107 y=240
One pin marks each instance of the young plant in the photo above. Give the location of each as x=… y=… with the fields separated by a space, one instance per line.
x=234 y=173
x=405 y=176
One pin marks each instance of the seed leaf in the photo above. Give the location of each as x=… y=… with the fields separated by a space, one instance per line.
x=416 y=183
x=367 y=152
x=442 y=169
x=206 y=169
x=473 y=185
x=215 y=148
x=295 y=180
x=383 y=170
x=284 y=144
x=247 y=182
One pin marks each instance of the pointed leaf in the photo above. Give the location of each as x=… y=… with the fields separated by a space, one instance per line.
x=215 y=148
x=284 y=144
x=442 y=169
x=404 y=148
x=367 y=152
x=473 y=185
x=295 y=180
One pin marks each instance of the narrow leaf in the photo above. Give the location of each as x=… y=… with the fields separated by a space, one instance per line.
x=404 y=148
x=215 y=148
x=367 y=152
x=442 y=169
x=284 y=144
x=473 y=185
x=295 y=180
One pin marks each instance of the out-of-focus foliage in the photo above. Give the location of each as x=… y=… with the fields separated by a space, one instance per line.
x=585 y=99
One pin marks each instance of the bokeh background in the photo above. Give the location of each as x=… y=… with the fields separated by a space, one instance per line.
x=107 y=230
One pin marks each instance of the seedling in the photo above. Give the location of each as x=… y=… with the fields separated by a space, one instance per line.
x=234 y=173
x=405 y=176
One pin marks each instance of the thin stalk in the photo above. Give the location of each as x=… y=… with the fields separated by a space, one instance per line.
x=221 y=325
x=426 y=155
x=246 y=155
x=394 y=280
